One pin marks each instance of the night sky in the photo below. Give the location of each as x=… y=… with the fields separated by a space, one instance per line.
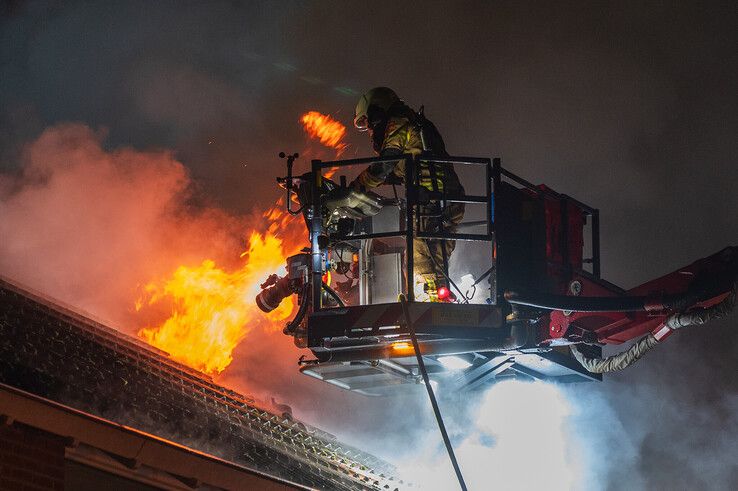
x=628 y=107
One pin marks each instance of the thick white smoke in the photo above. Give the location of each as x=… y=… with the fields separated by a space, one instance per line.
x=517 y=436
x=537 y=435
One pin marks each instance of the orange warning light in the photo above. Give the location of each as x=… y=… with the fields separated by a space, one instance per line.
x=402 y=347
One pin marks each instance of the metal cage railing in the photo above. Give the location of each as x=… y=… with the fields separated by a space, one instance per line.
x=412 y=219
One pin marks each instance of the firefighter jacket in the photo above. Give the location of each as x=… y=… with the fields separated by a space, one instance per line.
x=401 y=134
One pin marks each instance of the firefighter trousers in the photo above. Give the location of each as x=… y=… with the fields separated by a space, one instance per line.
x=428 y=254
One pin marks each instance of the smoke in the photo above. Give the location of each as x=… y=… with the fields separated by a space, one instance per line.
x=513 y=437
x=90 y=226
x=629 y=107
x=680 y=415
x=537 y=435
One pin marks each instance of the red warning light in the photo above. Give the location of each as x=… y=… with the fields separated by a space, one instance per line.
x=443 y=293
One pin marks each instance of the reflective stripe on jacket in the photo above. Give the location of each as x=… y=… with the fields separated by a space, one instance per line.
x=402 y=136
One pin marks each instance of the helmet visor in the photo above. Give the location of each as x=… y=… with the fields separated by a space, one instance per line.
x=361 y=122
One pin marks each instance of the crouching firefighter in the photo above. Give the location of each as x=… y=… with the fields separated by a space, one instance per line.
x=396 y=129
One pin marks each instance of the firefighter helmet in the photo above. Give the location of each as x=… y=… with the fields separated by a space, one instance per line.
x=375 y=102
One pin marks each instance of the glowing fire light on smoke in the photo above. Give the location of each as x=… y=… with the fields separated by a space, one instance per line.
x=213 y=309
x=325 y=129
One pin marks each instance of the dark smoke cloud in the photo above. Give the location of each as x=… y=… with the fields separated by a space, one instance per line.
x=629 y=107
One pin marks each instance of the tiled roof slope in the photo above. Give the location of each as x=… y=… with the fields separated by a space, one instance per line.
x=56 y=353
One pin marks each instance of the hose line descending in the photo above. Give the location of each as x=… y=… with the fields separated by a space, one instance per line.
x=434 y=403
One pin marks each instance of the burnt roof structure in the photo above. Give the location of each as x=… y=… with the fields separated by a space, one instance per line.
x=58 y=354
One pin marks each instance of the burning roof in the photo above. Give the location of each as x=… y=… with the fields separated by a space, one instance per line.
x=56 y=353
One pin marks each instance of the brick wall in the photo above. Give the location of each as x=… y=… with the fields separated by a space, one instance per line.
x=30 y=459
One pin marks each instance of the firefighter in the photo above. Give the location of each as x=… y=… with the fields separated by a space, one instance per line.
x=396 y=129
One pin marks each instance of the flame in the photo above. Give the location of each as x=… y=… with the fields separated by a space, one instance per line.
x=213 y=309
x=325 y=129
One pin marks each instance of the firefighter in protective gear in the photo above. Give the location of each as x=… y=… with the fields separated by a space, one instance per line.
x=396 y=129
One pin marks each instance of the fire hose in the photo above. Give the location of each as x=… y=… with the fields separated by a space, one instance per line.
x=680 y=304
x=292 y=325
x=696 y=317
x=431 y=395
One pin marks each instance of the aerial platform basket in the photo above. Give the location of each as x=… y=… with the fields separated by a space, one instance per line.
x=361 y=340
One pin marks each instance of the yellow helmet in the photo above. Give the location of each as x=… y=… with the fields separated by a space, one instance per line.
x=377 y=98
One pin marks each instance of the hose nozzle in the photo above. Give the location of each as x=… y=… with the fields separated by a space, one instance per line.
x=274 y=290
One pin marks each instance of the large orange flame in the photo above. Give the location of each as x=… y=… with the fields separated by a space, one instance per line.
x=325 y=129
x=213 y=309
